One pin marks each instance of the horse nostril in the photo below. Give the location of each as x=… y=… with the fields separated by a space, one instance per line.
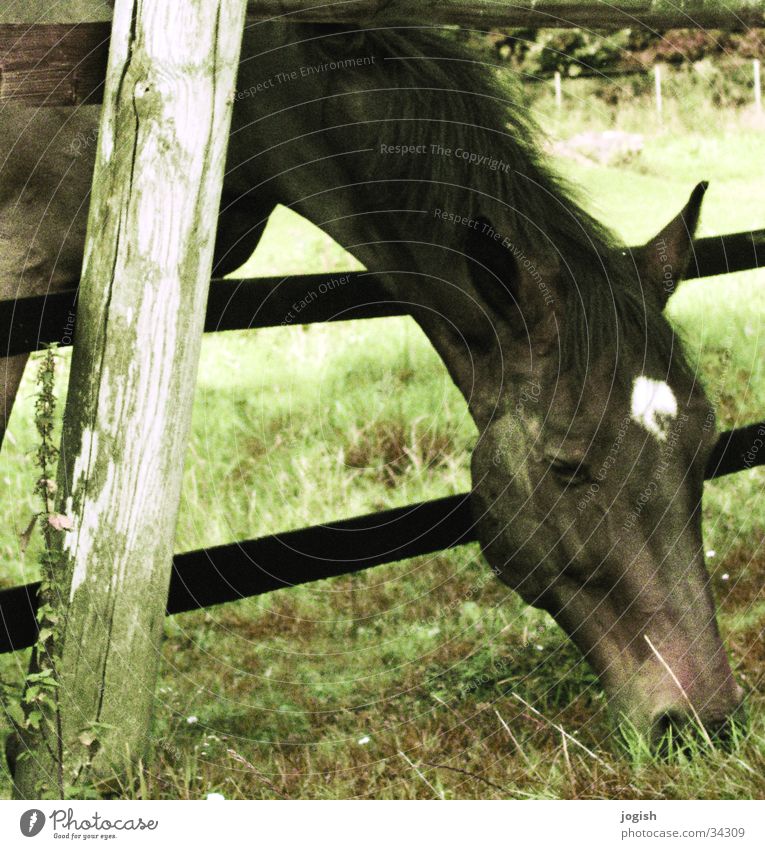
x=666 y=726
x=678 y=730
x=723 y=731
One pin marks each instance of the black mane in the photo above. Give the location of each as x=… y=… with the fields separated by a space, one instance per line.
x=434 y=91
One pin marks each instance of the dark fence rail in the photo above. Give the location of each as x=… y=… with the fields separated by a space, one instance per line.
x=58 y=65
x=65 y=64
x=53 y=64
x=244 y=569
x=235 y=571
x=30 y=324
x=485 y=14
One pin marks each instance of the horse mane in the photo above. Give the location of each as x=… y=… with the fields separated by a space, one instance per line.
x=450 y=98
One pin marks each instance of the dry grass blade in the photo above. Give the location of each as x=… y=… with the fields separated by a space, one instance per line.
x=414 y=767
x=567 y=759
x=513 y=738
x=242 y=760
x=26 y=535
x=565 y=734
x=469 y=774
x=461 y=721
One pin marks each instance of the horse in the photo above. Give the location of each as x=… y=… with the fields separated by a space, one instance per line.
x=594 y=432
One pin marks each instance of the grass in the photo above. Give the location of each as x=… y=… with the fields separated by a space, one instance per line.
x=427 y=678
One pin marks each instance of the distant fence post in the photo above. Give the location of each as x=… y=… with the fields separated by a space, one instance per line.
x=558 y=91
x=148 y=257
x=757 y=86
x=657 y=88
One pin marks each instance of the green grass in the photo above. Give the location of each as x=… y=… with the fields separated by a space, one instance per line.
x=404 y=681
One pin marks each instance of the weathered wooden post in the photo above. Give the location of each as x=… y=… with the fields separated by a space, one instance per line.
x=658 y=93
x=558 y=91
x=161 y=152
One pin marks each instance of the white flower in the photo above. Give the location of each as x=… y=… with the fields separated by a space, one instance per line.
x=215 y=797
x=192 y=720
x=711 y=553
x=364 y=740
x=539 y=647
x=60 y=522
x=725 y=576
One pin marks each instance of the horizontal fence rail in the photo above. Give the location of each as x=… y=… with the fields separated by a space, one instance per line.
x=485 y=14
x=31 y=324
x=65 y=64
x=240 y=570
x=53 y=64
x=230 y=572
x=737 y=451
x=57 y=65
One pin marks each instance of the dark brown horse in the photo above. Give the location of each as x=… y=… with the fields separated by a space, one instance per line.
x=594 y=433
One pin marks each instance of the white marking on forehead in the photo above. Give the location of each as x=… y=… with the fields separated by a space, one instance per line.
x=653 y=403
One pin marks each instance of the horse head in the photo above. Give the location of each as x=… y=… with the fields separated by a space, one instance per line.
x=589 y=471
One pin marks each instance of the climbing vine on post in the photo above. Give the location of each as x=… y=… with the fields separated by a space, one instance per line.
x=39 y=712
x=41 y=696
x=148 y=259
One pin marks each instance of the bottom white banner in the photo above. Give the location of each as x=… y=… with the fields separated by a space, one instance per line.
x=385 y=824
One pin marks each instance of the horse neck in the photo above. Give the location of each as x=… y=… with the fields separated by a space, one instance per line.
x=423 y=278
x=306 y=145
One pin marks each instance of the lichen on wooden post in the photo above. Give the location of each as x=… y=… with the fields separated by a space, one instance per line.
x=148 y=257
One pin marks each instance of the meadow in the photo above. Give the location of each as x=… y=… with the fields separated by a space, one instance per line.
x=428 y=678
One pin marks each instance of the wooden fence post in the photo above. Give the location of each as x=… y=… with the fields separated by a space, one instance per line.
x=148 y=257
x=558 y=91
x=659 y=97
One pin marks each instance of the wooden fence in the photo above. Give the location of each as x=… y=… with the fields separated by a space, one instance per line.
x=64 y=64
x=485 y=14
x=54 y=65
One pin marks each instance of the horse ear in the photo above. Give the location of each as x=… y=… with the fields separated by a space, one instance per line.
x=663 y=261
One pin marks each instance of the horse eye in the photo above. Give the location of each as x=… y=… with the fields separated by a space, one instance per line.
x=571 y=472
